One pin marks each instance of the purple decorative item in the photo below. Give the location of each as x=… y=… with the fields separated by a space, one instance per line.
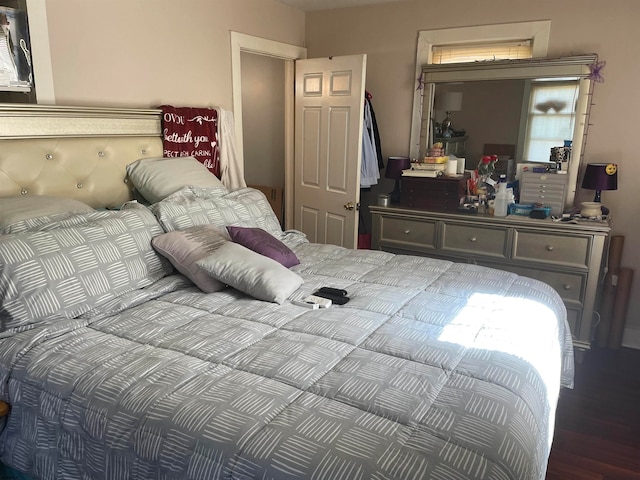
x=262 y=242
x=595 y=69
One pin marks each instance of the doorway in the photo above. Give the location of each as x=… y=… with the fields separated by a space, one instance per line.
x=287 y=54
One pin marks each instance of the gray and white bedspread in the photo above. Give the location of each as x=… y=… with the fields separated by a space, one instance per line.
x=433 y=370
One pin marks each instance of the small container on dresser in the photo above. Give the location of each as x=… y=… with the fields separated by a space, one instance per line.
x=548 y=189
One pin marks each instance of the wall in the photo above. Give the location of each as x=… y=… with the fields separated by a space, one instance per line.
x=263 y=119
x=145 y=53
x=387 y=33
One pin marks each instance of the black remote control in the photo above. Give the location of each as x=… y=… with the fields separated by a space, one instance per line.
x=333 y=291
x=335 y=299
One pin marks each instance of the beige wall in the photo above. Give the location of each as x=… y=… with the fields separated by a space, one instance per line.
x=388 y=33
x=263 y=119
x=145 y=53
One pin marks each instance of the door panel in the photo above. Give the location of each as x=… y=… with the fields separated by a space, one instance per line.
x=329 y=112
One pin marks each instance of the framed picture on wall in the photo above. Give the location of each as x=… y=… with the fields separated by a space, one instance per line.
x=16 y=73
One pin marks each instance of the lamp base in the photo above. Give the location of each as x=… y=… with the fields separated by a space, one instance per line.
x=591 y=209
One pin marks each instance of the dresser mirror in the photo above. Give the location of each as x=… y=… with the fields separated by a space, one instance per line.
x=501 y=100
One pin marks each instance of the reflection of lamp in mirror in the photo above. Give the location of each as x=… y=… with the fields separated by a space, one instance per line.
x=395 y=166
x=598 y=177
x=448 y=102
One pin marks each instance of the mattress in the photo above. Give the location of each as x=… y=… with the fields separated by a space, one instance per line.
x=116 y=366
x=431 y=370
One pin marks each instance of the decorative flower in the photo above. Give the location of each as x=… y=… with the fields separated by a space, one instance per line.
x=595 y=69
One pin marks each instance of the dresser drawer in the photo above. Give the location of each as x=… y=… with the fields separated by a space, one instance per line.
x=486 y=241
x=570 y=250
x=543 y=179
x=408 y=232
x=570 y=286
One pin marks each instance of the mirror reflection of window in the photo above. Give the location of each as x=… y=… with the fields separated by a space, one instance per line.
x=550 y=119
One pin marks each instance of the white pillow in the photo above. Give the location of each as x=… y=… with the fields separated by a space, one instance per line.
x=251 y=273
x=22 y=207
x=157 y=178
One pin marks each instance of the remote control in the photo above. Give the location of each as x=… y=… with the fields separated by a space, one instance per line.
x=333 y=291
x=306 y=304
x=322 y=302
x=335 y=299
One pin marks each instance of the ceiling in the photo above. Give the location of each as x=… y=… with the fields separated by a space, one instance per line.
x=311 y=5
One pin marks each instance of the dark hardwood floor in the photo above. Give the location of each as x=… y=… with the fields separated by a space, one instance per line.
x=597 y=433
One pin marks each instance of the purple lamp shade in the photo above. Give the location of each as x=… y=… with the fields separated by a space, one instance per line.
x=600 y=176
x=395 y=166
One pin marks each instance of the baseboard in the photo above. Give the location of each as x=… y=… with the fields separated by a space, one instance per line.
x=631 y=338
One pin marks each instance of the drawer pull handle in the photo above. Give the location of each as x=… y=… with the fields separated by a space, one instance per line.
x=550 y=248
x=407 y=231
x=566 y=286
x=473 y=239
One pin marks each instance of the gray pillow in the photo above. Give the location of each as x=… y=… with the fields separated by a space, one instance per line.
x=157 y=178
x=183 y=248
x=65 y=272
x=251 y=273
x=245 y=207
x=22 y=207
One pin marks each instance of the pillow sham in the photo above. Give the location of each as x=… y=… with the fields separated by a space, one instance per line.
x=183 y=248
x=65 y=272
x=157 y=178
x=264 y=243
x=22 y=207
x=251 y=273
x=245 y=207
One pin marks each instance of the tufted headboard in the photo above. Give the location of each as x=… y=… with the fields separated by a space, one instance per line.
x=74 y=152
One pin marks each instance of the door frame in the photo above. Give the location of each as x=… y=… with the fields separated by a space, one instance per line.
x=241 y=42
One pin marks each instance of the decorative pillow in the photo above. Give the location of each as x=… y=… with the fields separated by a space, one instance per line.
x=184 y=248
x=264 y=243
x=157 y=178
x=251 y=273
x=245 y=207
x=65 y=272
x=22 y=207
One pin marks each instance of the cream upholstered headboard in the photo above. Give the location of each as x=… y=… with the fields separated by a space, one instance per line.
x=74 y=152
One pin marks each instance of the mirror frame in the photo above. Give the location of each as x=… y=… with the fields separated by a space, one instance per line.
x=574 y=66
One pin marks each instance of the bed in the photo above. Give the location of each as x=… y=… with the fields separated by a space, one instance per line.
x=121 y=356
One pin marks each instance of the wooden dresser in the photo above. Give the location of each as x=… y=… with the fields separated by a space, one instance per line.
x=566 y=256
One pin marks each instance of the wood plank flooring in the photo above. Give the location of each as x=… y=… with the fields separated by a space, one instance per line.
x=597 y=433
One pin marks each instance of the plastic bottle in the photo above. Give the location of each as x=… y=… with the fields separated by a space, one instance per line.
x=501 y=204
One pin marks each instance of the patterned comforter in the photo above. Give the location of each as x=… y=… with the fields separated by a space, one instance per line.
x=432 y=370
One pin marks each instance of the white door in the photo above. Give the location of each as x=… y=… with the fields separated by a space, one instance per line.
x=329 y=109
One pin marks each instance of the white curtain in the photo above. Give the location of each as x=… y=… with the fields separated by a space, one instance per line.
x=231 y=168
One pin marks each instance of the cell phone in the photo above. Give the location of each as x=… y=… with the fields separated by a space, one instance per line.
x=333 y=291
x=335 y=299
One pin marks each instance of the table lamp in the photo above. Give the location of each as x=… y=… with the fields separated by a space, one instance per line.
x=448 y=102
x=598 y=177
x=395 y=166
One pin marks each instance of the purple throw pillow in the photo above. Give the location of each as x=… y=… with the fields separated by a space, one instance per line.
x=262 y=242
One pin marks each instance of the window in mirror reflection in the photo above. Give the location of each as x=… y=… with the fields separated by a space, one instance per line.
x=550 y=119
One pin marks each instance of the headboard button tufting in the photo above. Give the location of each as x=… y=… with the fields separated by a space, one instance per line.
x=144 y=151
x=101 y=153
x=23 y=191
x=48 y=156
x=79 y=185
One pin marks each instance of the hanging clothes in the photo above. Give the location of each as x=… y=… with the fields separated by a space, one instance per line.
x=188 y=131
x=232 y=169
x=375 y=133
x=370 y=164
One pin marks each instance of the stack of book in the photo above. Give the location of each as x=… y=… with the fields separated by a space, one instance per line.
x=425 y=170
